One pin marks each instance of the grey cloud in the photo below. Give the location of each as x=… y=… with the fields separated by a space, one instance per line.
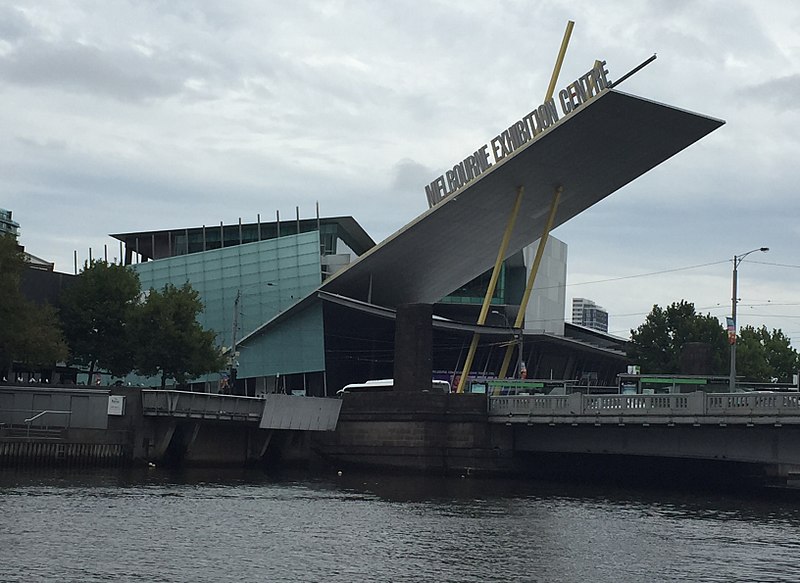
x=689 y=34
x=38 y=147
x=219 y=16
x=80 y=68
x=13 y=24
x=122 y=74
x=781 y=92
x=410 y=176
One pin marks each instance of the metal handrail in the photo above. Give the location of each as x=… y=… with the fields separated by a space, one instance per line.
x=41 y=414
x=188 y=403
x=45 y=412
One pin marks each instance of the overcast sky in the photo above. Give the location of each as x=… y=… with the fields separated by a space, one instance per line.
x=128 y=116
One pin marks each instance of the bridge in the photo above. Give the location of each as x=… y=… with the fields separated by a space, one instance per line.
x=762 y=429
x=695 y=409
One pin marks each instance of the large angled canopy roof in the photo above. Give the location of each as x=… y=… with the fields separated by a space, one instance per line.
x=597 y=149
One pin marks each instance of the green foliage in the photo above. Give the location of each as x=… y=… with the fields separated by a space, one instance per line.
x=657 y=344
x=12 y=263
x=42 y=343
x=28 y=333
x=762 y=355
x=11 y=301
x=96 y=310
x=170 y=341
x=106 y=324
x=111 y=329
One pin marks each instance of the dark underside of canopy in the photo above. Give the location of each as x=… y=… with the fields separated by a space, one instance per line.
x=596 y=150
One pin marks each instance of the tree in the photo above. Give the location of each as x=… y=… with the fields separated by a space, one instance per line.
x=170 y=341
x=96 y=310
x=42 y=342
x=762 y=356
x=657 y=344
x=29 y=333
x=12 y=263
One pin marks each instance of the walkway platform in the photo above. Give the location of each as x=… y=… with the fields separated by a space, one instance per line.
x=271 y=412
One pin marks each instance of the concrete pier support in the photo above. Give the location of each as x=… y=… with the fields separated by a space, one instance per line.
x=418 y=432
x=413 y=348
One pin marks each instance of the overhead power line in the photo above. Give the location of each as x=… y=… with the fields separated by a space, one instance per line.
x=774 y=264
x=650 y=273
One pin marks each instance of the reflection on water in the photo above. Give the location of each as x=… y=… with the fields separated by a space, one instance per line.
x=153 y=525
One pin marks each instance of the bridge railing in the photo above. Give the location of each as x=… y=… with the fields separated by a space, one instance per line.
x=156 y=402
x=747 y=403
x=698 y=407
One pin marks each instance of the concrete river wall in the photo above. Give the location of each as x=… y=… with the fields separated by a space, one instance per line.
x=403 y=431
x=415 y=431
x=76 y=426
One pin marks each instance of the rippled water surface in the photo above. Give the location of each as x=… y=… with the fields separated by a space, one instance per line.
x=205 y=526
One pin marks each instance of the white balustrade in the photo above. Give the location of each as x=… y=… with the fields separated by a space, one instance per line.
x=695 y=408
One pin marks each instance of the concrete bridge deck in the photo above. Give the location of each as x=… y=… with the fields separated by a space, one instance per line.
x=761 y=430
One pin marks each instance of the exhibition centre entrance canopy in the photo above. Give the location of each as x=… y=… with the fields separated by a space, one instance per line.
x=591 y=152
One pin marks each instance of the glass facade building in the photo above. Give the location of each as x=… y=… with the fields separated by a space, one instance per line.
x=246 y=275
x=7 y=225
x=587 y=313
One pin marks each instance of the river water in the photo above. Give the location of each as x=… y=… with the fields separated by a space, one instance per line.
x=208 y=526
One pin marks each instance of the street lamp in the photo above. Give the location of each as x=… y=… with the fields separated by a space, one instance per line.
x=737 y=259
x=233 y=369
x=517 y=334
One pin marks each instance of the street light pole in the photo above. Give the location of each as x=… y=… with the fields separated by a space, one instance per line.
x=233 y=365
x=737 y=259
x=232 y=369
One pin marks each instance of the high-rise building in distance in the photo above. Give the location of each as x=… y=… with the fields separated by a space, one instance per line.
x=587 y=313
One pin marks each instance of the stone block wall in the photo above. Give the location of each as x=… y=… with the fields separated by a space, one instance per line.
x=425 y=432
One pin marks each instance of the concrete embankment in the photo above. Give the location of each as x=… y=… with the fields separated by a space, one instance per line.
x=66 y=426
x=409 y=431
x=100 y=426
x=48 y=453
x=415 y=431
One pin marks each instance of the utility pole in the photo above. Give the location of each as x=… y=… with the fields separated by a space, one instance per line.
x=737 y=259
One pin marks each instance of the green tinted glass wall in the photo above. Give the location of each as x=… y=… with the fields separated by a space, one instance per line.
x=267 y=276
x=291 y=346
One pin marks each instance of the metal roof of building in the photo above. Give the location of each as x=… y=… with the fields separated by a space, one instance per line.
x=592 y=152
x=445 y=324
x=351 y=232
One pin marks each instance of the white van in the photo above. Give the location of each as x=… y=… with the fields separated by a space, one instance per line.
x=387 y=385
